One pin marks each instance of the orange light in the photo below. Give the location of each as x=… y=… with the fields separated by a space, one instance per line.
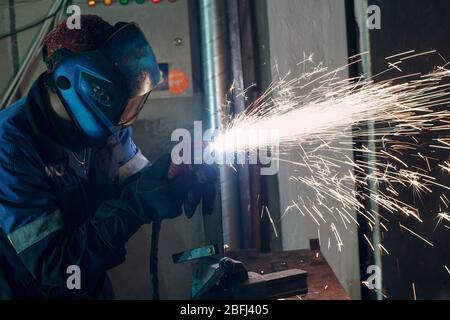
x=91 y=3
x=107 y=2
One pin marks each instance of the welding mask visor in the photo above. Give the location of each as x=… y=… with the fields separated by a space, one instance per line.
x=103 y=90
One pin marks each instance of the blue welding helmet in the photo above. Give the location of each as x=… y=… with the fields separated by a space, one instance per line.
x=103 y=90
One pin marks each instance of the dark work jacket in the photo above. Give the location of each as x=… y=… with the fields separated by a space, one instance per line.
x=53 y=205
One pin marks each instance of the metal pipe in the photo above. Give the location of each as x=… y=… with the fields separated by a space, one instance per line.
x=215 y=79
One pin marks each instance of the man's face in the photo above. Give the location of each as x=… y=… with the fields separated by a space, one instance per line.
x=104 y=90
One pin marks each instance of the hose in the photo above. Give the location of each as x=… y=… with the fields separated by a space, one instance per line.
x=154 y=241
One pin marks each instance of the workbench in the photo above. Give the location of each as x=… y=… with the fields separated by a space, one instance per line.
x=322 y=283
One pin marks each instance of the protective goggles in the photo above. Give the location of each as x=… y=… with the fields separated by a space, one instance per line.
x=104 y=90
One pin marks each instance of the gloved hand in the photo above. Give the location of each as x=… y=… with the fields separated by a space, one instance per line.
x=203 y=186
x=155 y=194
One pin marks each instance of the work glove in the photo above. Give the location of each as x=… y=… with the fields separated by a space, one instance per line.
x=163 y=190
x=202 y=187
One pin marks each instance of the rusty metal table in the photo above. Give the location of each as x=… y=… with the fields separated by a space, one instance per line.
x=322 y=283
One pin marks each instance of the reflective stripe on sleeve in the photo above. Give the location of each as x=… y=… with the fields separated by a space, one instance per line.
x=33 y=232
x=136 y=164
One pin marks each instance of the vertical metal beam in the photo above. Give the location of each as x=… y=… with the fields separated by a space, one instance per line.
x=364 y=45
x=269 y=188
x=238 y=104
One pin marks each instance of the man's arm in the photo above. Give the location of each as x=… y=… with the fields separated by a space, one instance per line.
x=132 y=160
x=31 y=218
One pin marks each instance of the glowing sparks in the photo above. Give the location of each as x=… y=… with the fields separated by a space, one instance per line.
x=417 y=235
x=443 y=216
x=321 y=119
x=444 y=200
x=339 y=242
x=370 y=243
x=445 y=166
x=399 y=54
x=417 y=55
x=380 y=246
x=266 y=209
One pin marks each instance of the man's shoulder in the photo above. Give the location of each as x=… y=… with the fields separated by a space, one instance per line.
x=13 y=118
x=14 y=127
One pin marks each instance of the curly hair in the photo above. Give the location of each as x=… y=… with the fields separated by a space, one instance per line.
x=93 y=33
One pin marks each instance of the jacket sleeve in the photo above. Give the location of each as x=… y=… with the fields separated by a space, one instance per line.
x=133 y=160
x=35 y=227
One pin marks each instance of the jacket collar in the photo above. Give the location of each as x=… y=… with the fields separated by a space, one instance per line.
x=38 y=109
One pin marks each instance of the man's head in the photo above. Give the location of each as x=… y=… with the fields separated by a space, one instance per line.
x=93 y=33
x=101 y=74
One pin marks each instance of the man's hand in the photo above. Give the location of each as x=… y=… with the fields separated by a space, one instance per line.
x=163 y=190
x=203 y=186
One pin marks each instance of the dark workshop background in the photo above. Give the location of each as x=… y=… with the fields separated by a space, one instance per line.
x=272 y=33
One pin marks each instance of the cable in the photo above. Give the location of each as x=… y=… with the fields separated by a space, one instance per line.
x=154 y=281
x=33 y=24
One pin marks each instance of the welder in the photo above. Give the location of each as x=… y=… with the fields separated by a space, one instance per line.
x=73 y=185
